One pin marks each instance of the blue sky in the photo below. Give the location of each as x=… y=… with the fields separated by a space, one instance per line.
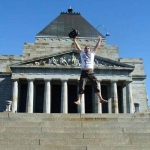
x=128 y=22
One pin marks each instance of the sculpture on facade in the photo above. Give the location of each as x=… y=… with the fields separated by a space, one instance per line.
x=42 y=63
x=63 y=61
x=53 y=61
x=74 y=60
x=70 y=60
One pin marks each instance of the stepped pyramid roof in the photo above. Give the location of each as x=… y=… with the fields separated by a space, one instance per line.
x=63 y=24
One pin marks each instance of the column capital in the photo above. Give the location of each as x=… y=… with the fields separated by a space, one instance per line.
x=15 y=79
x=30 y=79
x=100 y=80
x=128 y=81
x=47 y=80
x=114 y=81
x=64 y=80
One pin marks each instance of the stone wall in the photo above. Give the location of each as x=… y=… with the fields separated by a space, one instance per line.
x=137 y=62
x=6 y=60
x=47 y=46
x=138 y=84
x=5 y=90
x=5 y=78
x=139 y=94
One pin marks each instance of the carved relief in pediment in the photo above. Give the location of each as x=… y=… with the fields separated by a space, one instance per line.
x=70 y=59
x=99 y=62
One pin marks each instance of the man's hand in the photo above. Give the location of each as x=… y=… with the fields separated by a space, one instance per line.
x=100 y=38
x=98 y=44
x=77 y=45
x=74 y=39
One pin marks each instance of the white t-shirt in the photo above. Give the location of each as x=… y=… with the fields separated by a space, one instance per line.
x=87 y=59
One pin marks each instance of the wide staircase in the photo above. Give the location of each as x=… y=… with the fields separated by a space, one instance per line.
x=22 y=131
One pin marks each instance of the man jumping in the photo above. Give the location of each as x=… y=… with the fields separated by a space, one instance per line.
x=87 y=66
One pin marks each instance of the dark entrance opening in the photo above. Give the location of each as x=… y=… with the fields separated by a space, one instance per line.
x=23 y=97
x=39 y=98
x=72 y=96
x=88 y=99
x=104 y=95
x=120 y=98
x=56 y=98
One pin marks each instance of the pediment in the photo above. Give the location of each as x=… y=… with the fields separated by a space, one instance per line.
x=70 y=59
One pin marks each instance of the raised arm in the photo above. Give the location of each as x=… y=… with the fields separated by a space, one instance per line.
x=77 y=45
x=98 y=44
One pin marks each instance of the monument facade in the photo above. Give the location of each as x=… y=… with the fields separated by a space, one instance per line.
x=45 y=78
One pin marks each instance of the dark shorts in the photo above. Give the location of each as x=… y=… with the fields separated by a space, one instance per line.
x=85 y=76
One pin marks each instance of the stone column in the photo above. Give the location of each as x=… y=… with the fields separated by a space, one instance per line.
x=109 y=99
x=15 y=96
x=114 y=96
x=47 y=97
x=129 y=96
x=82 y=111
x=64 y=97
x=30 y=93
x=34 y=96
x=98 y=108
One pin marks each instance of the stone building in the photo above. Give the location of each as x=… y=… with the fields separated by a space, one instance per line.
x=45 y=78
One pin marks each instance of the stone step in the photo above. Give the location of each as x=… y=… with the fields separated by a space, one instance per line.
x=81 y=135
x=74 y=115
x=9 y=123
x=97 y=123
x=41 y=135
x=41 y=147
x=79 y=141
x=98 y=130
x=97 y=141
x=81 y=118
x=39 y=119
x=129 y=147
x=74 y=130
x=72 y=147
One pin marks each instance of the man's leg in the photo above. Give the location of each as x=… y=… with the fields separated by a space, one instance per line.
x=82 y=84
x=101 y=100
x=78 y=102
x=94 y=81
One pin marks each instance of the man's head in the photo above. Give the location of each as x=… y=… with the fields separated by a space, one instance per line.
x=87 y=49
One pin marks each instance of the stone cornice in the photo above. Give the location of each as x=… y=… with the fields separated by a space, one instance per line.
x=69 y=67
x=139 y=76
